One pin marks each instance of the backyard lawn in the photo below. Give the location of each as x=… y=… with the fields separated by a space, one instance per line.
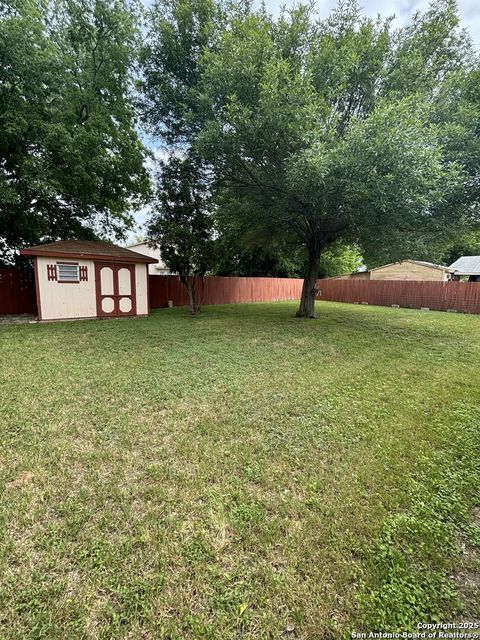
x=243 y=474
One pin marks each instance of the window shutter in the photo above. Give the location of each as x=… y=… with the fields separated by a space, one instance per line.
x=84 y=274
x=51 y=271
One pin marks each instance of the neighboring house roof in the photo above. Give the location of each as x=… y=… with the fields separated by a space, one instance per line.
x=138 y=244
x=421 y=262
x=467 y=266
x=89 y=249
x=391 y=264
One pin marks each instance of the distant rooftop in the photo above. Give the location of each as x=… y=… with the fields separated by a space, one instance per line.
x=467 y=266
x=144 y=248
x=422 y=262
x=430 y=264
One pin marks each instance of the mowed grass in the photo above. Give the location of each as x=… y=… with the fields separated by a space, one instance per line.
x=243 y=474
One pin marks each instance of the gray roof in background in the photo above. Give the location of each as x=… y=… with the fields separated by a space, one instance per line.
x=467 y=265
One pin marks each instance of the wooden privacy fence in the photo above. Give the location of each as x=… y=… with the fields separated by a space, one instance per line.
x=224 y=290
x=441 y=296
x=17 y=291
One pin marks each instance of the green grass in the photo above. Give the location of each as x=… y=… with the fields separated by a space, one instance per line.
x=244 y=474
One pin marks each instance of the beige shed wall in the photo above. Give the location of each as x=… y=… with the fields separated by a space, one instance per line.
x=407 y=271
x=141 y=283
x=66 y=300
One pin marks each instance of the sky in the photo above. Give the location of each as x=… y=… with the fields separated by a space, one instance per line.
x=469 y=11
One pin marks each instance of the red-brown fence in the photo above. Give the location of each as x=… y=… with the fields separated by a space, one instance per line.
x=441 y=296
x=223 y=290
x=17 y=291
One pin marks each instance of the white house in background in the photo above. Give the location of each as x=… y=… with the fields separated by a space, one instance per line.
x=156 y=269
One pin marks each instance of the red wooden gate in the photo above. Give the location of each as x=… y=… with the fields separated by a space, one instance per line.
x=17 y=291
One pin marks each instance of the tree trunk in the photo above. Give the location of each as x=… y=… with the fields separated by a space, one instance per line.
x=189 y=284
x=191 y=297
x=202 y=293
x=309 y=289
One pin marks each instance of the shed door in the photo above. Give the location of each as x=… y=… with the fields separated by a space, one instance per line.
x=115 y=289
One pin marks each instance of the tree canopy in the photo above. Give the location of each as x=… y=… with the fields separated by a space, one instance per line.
x=312 y=134
x=320 y=130
x=71 y=161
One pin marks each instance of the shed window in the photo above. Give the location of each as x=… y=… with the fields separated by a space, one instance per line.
x=68 y=272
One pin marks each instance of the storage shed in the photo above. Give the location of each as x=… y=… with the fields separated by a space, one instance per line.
x=86 y=279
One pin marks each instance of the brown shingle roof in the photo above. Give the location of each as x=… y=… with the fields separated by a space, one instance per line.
x=87 y=249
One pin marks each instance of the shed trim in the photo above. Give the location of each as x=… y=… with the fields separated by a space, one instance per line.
x=88 y=250
x=37 y=289
x=89 y=256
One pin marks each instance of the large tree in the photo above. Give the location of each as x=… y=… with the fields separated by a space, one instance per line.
x=322 y=131
x=463 y=245
x=71 y=162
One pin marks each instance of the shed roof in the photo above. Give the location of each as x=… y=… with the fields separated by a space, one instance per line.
x=467 y=266
x=93 y=250
x=422 y=262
